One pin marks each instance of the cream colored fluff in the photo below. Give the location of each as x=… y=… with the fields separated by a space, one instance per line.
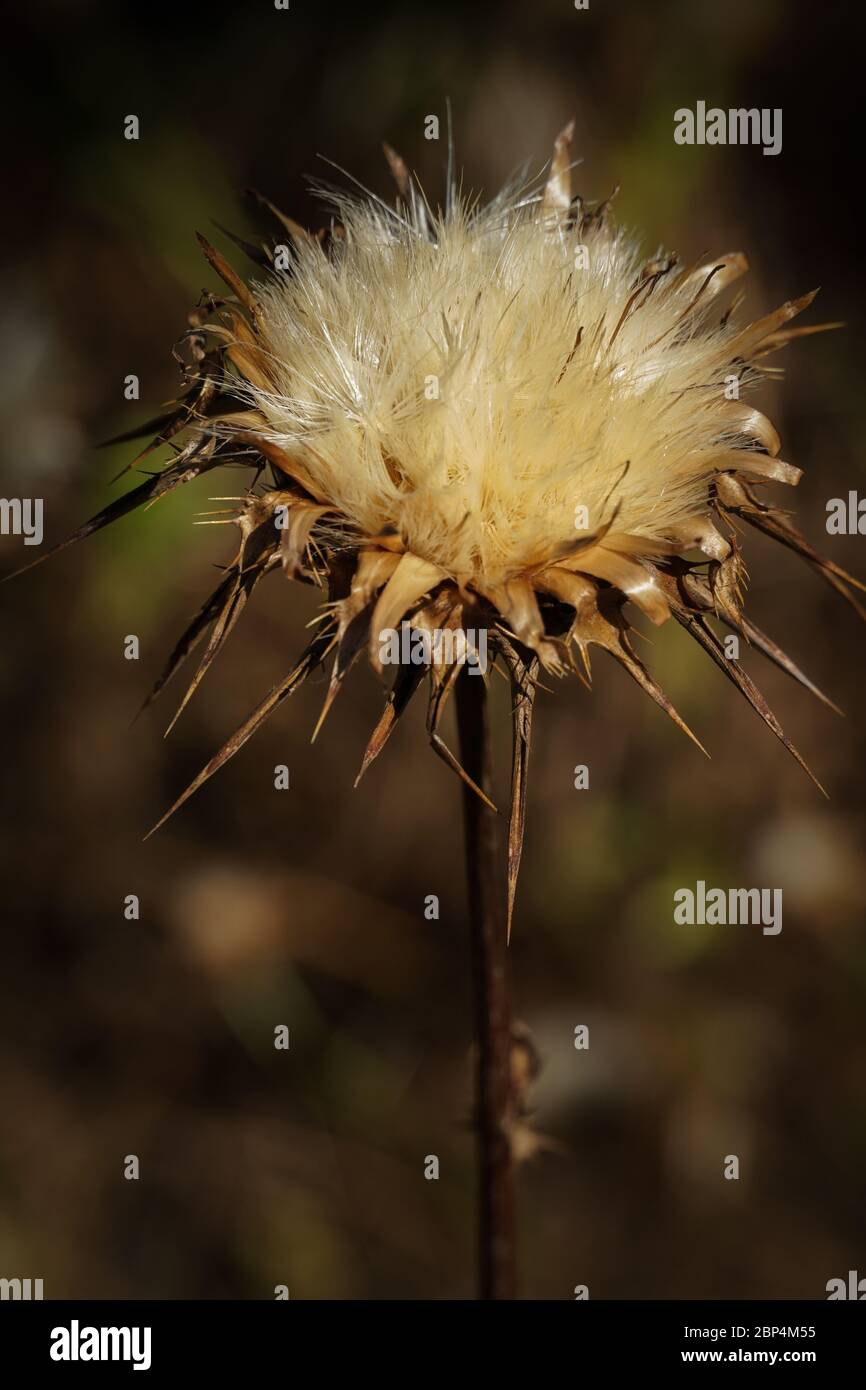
x=484 y=481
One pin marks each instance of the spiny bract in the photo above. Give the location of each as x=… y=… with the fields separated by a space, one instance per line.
x=490 y=416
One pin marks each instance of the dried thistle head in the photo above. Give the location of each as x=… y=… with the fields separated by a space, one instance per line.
x=493 y=416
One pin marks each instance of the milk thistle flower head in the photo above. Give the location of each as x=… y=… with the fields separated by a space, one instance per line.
x=501 y=418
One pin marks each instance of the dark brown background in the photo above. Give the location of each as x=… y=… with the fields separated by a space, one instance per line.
x=155 y=1037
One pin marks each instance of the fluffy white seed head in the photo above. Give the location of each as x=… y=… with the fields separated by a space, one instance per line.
x=470 y=379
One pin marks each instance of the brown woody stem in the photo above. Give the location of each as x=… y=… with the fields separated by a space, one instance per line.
x=492 y=1002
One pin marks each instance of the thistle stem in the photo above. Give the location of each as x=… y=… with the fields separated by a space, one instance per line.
x=492 y=1002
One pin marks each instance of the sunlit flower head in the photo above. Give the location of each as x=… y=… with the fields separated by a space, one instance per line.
x=502 y=418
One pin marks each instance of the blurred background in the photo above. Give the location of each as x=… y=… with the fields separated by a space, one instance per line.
x=155 y=1037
